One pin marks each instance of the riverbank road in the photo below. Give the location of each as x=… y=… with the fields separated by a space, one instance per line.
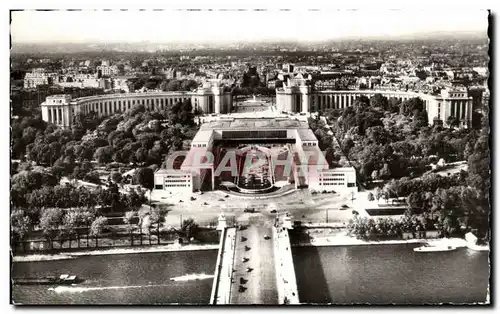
x=254 y=276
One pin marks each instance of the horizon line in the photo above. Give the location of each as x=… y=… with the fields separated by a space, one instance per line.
x=409 y=36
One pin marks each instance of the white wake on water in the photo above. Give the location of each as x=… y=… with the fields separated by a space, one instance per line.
x=70 y=289
x=192 y=277
x=76 y=289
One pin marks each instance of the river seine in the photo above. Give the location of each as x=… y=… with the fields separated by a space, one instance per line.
x=387 y=274
x=378 y=274
x=122 y=279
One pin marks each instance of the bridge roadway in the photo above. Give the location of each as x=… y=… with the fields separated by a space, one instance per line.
x=249 y=258
x=258 y=272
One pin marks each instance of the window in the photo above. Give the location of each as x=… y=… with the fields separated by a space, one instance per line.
x=158 y=187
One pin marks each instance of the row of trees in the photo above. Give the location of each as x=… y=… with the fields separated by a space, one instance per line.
x=157 y=82
x=427 y=183
x=452 y=209
x=259 y=90
x=57 y=223
x=456 y=208
x=445 y=201
x=33 y=201
x=371 y=229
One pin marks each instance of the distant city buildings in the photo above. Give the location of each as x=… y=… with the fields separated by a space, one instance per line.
x=122 y=83
x=333 y=75
x=38 y=77
x=105 y=70
x=81 y=81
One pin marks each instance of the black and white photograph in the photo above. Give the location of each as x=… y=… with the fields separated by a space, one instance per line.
x=277 y=157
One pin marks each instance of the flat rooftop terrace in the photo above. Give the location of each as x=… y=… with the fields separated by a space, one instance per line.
x=254 y=123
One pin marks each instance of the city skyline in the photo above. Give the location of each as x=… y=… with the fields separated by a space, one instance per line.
x=218 y=26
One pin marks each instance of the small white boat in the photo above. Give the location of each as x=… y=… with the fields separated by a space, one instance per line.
x=435 y=248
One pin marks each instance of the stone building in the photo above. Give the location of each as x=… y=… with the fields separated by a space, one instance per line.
x=296 y=95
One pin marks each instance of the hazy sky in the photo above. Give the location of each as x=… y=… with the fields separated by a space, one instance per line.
x=203 y=26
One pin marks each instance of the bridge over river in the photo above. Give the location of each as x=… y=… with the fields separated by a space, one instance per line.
x=254 y=263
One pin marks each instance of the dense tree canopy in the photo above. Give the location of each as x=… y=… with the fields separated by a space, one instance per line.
x=391 y=140
x=144 y=177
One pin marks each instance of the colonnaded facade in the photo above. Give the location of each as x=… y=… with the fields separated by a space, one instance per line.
x=60 y=109
x=296 y=95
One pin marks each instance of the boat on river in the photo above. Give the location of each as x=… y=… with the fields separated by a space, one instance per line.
x=64 y=279
x=435 y=248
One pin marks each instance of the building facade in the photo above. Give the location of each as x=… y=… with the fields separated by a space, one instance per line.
x=38 y=77
x=106 y=70
x=80 y=81
x=204 y=100
x=57 y=109
x=172 y=180
x=335 y=179
x=286 y=143
x=296 y=95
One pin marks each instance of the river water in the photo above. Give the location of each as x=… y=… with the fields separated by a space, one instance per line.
x=378 y=274
x=122 y=279
x=386 y=274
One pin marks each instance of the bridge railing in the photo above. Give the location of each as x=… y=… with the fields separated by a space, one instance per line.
x=218 y=266
x=285 y=271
